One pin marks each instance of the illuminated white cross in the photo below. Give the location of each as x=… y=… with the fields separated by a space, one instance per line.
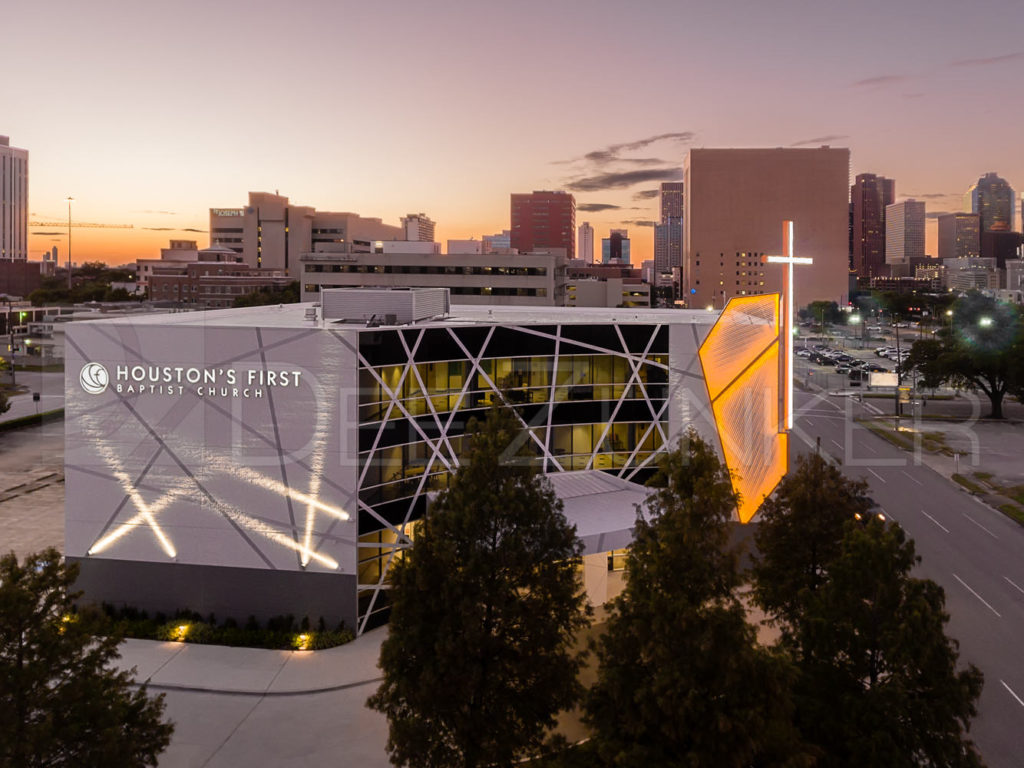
x=787 y=310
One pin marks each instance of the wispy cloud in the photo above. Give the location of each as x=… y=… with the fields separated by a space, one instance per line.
x=617 y=153
x=871 y=82
x=610 y=168
x=47 y=233
x=161 y=213
x=645 y=194
x=934 y=195
x=620 y=180
x=595 y=207
x=640 y=222
x=613 y=152
x=173 y=229
x=986 y=61
x=820 y=140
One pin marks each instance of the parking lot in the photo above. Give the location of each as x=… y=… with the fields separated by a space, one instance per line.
x=849 y=367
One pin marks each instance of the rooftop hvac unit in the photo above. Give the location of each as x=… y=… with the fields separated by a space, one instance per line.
x=384 y=306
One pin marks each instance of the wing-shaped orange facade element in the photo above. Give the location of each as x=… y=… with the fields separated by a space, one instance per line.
x=742 y=368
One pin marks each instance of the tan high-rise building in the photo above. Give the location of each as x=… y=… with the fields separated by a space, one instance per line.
x=13 y=202
x=419 y=227
x=271 y=233
x=585 y=243
x=735 y=203
x=904 y=236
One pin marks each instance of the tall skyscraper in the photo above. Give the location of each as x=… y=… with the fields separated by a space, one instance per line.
x=585 y=244
x=904 y=236
x=615 y=247
x=959 y=235
x=735 y=201
x=668 y=234
x=544 y=220
x=418 y=227
x=13 y=202
x=661 y=241
x=671 y=197
x=992 y=198
x=869 y=196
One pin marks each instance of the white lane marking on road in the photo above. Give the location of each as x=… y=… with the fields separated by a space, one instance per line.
x=1012 y=693
x=986 y=530
x=978 y=596
x=837 y=445
x=809 y=422
x=911 y=477
x=888 y=516
x=1014 y=585
x=873 y=408
x=876 y=474
x=935 y=521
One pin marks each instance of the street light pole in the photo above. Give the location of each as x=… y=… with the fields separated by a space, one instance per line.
x=69 y=242
x=899 y=371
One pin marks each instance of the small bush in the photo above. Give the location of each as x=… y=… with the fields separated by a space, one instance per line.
x=280 y=632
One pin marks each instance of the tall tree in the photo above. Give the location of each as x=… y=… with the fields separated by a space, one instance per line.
x=879 y=683
x=682 y=680
x=485 y=609
x=61 y=703
x=982 y=348
x=800 y=530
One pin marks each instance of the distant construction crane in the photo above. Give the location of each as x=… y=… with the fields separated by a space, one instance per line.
x=83 y=224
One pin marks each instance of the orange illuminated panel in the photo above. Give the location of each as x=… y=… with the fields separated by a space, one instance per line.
x=746 y=328
x=747 y=417
x=741 y=359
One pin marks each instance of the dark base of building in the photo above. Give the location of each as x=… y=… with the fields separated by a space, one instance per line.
x=235 y=593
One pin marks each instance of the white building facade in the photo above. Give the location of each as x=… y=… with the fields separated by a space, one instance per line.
x=904 y=235
x=274 y=460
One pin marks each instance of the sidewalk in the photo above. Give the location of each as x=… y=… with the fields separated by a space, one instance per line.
x=253 y=671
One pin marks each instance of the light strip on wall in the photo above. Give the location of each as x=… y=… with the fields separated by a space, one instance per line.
x=149 y=517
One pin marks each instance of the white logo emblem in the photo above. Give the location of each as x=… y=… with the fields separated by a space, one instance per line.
x=94 y=378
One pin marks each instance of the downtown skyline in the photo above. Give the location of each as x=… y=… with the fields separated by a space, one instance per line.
x=151 y=117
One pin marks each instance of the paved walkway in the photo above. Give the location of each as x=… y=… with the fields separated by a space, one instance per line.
x=253 y=671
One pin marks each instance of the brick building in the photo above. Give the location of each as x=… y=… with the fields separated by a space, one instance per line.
x=211 y=284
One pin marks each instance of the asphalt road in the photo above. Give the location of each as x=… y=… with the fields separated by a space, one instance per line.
x=975 y=553
x=49 y=385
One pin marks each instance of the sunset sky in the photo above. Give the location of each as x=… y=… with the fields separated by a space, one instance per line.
x=150 y=114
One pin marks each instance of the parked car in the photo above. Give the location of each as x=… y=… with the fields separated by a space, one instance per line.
x=843 y=368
